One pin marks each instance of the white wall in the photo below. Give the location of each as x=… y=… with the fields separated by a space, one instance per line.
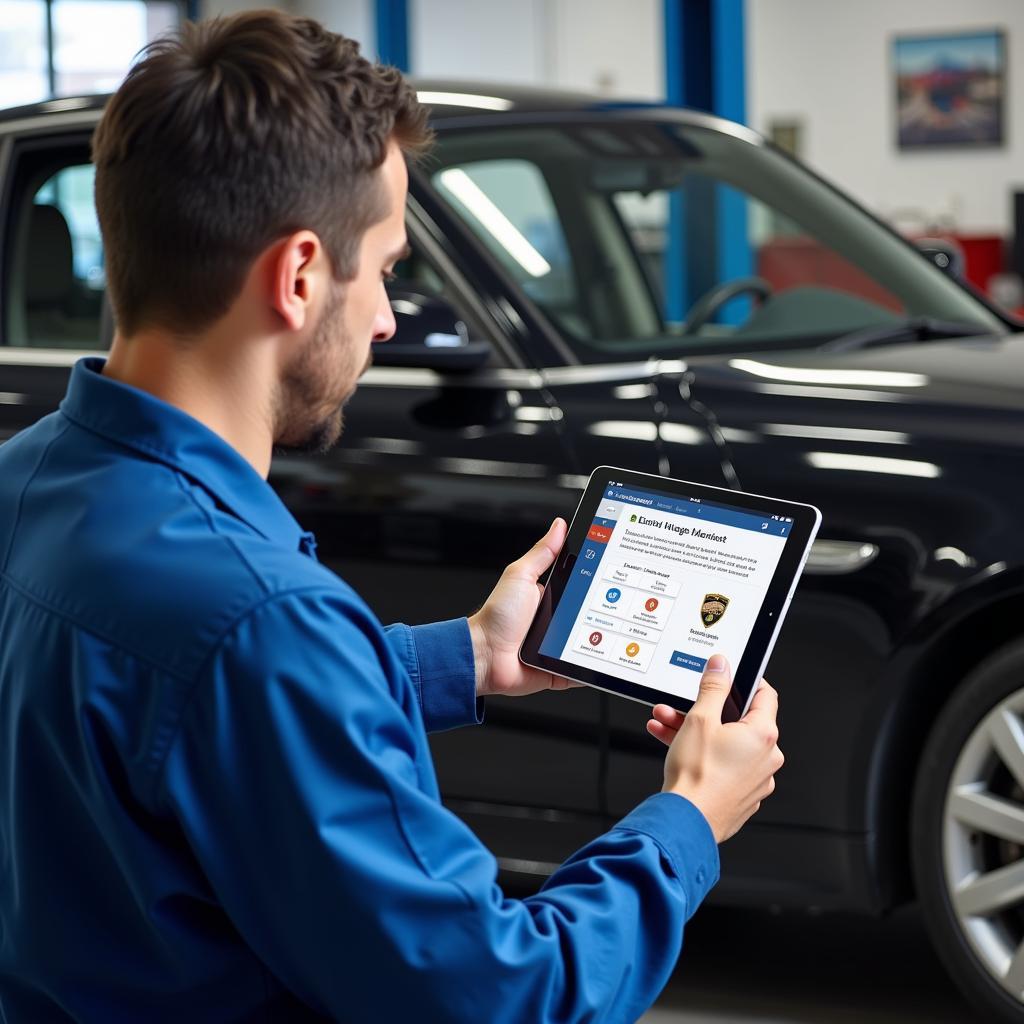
x=610 y=46
x=353 y=18
x=602 y=46
x=477 y=39
x=827 y=64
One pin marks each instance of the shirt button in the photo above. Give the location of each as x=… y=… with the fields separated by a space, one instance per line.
x=700 y=876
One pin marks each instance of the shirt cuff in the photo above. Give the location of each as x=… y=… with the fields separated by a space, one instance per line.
x=440 y=661
x=684 y=835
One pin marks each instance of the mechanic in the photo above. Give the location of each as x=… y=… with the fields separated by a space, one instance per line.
x=218 y=798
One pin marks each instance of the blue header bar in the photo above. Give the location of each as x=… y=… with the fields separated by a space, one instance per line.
x=702 y=511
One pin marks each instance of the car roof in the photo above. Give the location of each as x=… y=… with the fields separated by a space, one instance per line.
x=462 y=103
x=64 y=105
x=446 y=97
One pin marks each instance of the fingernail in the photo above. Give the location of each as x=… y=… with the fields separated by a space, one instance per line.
x=716 y=663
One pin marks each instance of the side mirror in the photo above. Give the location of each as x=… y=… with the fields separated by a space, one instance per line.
x=944 y=253
x=428 y=334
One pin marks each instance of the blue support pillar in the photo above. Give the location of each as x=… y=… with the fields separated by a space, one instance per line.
x=735 y=258
x=392 y=17
x=705 y=69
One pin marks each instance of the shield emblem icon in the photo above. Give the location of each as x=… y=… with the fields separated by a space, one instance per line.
x=712 y=609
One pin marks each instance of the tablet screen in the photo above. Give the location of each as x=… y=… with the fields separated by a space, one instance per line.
x=660 y=581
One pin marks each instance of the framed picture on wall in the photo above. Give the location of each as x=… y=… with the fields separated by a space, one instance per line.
x=950 y=89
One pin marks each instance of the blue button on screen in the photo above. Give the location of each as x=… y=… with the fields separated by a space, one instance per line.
x=613 y=595
x=689 y=661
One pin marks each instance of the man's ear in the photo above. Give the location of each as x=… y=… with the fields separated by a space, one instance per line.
x=296 y=267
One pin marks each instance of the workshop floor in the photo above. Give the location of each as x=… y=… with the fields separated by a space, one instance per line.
x=744 y=967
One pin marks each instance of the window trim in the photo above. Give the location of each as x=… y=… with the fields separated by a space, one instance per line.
x=13 y=205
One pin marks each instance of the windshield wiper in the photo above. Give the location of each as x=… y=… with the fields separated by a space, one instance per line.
x=918 y=328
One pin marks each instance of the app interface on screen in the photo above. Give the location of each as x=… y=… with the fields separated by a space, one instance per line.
x=662 y=583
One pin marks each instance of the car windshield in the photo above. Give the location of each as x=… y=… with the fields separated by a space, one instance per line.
x=638 y=237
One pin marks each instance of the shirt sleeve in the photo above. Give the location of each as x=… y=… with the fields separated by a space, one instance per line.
x=302 y=780
x=440 y=663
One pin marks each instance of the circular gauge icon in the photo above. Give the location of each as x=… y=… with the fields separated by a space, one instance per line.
x=651 y=603
x=596 y=638
x=632 y=650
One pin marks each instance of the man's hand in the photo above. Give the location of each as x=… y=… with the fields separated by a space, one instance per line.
x=726 y=770
x=499 y=627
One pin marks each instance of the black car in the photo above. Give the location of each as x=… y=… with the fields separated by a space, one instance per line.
x=647 y=287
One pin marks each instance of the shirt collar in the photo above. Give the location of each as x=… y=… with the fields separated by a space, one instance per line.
x=139 y=420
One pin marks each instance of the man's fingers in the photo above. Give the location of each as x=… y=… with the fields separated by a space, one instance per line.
x=667 y=716
x=661 y=732
x=765 y=703
x=539 y=558
x=715 y=684
x=561 y=683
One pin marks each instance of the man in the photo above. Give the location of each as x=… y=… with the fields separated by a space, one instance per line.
x=218 y=800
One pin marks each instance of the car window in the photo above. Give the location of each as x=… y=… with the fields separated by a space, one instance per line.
x=511 y=206
x=648 y=238
x=56 y=277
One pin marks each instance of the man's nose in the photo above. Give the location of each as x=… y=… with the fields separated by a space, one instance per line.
x=384 y=322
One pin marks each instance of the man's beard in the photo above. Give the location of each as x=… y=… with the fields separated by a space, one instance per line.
x=311 y=382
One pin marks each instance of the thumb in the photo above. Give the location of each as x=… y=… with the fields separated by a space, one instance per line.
x=715 y=685
x=543 y=553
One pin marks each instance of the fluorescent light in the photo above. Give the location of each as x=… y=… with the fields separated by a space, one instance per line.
x=799 y=375
x=491 y=467
x=464 y=99
x=855 y=434
x=952 y=554
x=537 y=413
x=508 y=236
x=628 y=391
x=873 y=464
x=630 y=430
x=573 y=481
x=681 y=433
x=736 y=436
x=394 y=445
x=847 y=394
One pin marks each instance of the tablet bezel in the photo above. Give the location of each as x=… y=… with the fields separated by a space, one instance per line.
x=746 y=675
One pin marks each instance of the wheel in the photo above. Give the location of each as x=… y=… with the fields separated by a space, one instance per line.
x=967 y=835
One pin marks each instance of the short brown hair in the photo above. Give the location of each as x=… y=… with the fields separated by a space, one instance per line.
x=235 y=132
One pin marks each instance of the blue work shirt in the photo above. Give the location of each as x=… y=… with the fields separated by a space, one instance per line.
x=217 y=801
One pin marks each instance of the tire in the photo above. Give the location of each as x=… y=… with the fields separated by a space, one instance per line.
x=967 y=835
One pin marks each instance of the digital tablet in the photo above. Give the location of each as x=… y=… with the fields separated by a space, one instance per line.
x=656 y=575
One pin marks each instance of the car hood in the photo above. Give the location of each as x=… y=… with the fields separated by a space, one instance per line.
x=983 y=372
